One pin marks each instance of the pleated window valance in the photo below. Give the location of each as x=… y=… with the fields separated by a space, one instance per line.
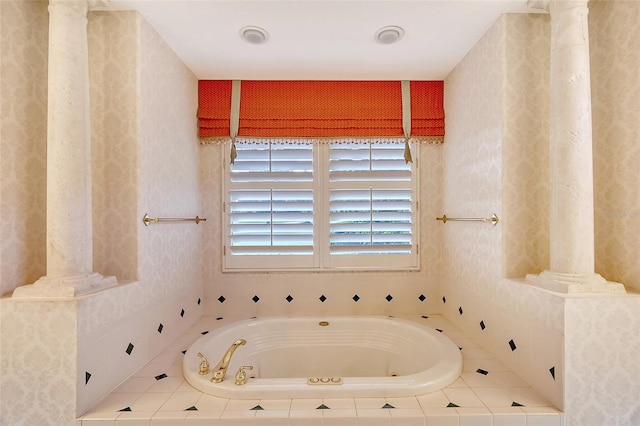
x=321 y=109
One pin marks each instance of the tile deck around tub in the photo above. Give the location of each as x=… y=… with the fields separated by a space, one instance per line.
x=486 y=393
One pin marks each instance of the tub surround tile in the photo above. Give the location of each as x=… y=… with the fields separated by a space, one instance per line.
x=407 y=417
x=202 y=418
x=180 y=401
x=373 y=417
x=475 y=416
x=486 y=391
x=508 y=416
x=150 y=401
x=169 y=418
x=441 y=417
x=305 y=404
x=339 y=417
x=463 y=397
x=403 y=402
x=211 y=403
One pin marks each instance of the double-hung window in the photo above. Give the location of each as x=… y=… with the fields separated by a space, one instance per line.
x=293 y=204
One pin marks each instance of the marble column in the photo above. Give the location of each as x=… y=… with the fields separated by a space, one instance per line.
x=69 y=209
x=571 y=216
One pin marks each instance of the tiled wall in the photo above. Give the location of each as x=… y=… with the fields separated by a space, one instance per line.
x=495 y=160
x=259 y=294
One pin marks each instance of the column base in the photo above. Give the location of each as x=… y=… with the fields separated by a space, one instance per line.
x=78 y=285
x=574 y=283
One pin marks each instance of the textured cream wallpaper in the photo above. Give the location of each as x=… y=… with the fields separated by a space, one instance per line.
x=525 y=149
x=114 y=136
x=615 y=81
x=23 y=142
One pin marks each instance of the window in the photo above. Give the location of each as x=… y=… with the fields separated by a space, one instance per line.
x=299 y=205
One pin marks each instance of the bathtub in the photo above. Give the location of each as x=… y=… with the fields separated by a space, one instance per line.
x=326 y=357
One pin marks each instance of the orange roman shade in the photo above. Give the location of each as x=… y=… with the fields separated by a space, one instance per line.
x=320 y=108
x=214 y=108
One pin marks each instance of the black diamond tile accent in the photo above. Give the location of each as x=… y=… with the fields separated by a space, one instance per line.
x=482 y=326
x=160 y=327
x=512 y=345
x=182 y=313
x=389 y=298
x=184 y=352
x=255 y=298
x=161 y=376
x=444 y=299
x=425 y=317
x=199 y=301
x=322 y=298
x=516 y=404
x=481 y=371
x=87 y=376
x=422 y=297
x=356 y=298
x=460 y=310
x=126 y=409
x=460 y=347
x=388 y=406
x=257 y=408
x=129 y=349
x=192 y=408
x=322 y=407
x=437 y=329
x=204 y=332
x=221 y=299
x=451 y=405
x=552 y=370
x=219 y=318
x=289 y=298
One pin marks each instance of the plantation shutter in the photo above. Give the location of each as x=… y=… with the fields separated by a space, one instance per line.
x=270 y=204
x=370 y=202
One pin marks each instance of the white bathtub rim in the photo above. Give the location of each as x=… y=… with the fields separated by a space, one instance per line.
x=279 y=388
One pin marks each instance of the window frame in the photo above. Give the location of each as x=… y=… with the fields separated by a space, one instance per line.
x=321 y=260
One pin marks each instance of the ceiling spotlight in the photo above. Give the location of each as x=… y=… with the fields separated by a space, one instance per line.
x=389 y=34
x=254 y=35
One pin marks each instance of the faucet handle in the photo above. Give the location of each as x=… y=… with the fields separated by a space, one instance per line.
x=241 y=375
x=204 y=365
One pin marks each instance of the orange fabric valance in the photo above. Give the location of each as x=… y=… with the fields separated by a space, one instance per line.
x=214 y=108
x=320 y=108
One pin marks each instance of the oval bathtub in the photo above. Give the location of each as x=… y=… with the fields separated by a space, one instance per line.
x=324 y=357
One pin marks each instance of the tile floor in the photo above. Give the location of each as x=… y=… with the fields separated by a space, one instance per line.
x=486 y=394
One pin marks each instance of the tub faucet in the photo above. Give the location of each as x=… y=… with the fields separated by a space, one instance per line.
x=220 y=370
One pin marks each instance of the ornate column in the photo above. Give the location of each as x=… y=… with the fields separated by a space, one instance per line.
x=571 y=216
x=69 y=210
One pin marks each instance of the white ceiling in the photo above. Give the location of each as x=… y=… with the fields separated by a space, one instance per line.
x=321 y=40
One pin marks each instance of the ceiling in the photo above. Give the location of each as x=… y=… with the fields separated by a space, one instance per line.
x=321 y=40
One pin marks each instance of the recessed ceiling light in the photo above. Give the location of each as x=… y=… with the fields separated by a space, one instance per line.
x=254 y=35
x=389 y=34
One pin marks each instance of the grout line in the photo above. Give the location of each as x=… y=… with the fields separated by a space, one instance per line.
x=457 y=400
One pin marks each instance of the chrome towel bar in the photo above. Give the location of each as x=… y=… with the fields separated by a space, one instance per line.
x=493 y=219
x=147 y=219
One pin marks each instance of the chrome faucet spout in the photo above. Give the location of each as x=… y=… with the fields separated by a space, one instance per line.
x=220 y=370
